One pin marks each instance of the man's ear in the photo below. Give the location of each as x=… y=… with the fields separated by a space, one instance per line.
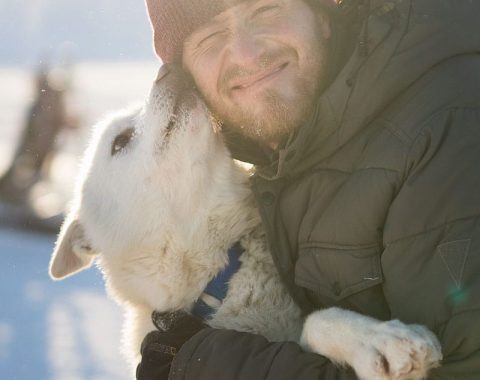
x=73 y=251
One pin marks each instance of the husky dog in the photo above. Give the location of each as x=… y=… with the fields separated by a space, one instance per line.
x=159 y=203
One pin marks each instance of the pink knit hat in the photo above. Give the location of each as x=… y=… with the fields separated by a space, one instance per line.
x=173 y=20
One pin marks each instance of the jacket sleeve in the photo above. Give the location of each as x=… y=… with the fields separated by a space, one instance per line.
x=225 y=354
x=431 y=257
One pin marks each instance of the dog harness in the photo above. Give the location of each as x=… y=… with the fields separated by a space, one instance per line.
x=216 y=290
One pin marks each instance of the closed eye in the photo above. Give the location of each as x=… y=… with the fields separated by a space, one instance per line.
x=210 y=37
x=265 y=10
x=122 y=140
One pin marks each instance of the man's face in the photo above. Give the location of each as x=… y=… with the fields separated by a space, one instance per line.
x=259 y=65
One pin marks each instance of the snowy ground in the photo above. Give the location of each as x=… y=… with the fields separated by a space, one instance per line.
x=65 y=330
x=53 y=330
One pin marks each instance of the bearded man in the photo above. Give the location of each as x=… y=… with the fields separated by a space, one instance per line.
x=363 y=121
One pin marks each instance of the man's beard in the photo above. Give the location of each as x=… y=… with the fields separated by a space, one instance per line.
x=274 y=117
x=276 y=114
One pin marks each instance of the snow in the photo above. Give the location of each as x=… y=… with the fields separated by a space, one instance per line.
x=67 y=330
x=54 y=330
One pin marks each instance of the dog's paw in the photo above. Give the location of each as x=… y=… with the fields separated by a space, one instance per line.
x=395 y=351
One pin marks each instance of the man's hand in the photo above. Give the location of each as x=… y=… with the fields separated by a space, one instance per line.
x=160 y=347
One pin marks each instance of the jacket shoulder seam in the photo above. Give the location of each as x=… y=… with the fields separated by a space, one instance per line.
x=431 y=229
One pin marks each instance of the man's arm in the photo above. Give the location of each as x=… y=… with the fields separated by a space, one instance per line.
x=224 y=354
x=199 y=352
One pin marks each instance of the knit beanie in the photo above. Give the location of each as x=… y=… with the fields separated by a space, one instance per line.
x=173 y=21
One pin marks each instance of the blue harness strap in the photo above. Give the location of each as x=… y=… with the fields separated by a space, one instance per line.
x=218 y=286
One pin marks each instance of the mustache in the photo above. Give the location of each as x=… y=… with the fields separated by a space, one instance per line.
x=263 y=62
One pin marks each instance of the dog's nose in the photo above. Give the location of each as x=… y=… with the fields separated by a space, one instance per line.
x=174 y=77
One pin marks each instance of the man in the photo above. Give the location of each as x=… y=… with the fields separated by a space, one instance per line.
x=363 y=121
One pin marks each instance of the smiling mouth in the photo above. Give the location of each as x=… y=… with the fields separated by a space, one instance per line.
x=258 y=79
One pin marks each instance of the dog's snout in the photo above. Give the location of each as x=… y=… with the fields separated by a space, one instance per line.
x=173 y=76
x=175 y=86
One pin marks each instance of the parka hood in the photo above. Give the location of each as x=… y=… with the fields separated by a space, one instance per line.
x=405 y=39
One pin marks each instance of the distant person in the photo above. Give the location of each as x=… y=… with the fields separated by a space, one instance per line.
x=45 y=119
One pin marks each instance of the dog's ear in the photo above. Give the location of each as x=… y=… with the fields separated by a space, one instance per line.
x=73 y=251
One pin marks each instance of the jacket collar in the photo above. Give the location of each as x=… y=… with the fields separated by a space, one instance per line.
x=342 y=109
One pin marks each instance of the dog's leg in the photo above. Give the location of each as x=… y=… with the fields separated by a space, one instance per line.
x=376 y=350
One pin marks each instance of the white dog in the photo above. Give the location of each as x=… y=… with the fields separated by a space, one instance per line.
x=159 y=202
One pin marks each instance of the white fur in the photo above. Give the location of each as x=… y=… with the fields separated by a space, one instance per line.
x=160 y=216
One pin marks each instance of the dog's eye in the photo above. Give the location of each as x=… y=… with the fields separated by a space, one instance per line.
x=122 y=140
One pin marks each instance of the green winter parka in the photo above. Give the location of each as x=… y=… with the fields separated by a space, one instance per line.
x=374 y=205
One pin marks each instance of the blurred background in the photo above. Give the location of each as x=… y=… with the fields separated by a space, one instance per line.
x=64 y=64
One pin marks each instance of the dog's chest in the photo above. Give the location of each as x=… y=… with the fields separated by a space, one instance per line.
x=256 y=300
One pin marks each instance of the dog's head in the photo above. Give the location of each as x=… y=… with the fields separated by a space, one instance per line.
x=147 y=177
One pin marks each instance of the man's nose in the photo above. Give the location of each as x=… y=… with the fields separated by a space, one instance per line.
x=243 y=48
